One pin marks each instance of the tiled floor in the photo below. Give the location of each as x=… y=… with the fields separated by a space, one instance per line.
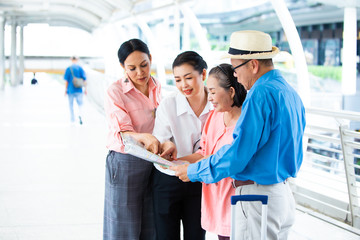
x=52 y=173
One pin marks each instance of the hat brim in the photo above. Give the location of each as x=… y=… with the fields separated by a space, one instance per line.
x=265 y=55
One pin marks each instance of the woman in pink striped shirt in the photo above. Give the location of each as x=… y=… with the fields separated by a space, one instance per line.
x=130 y=106
x=227 y=97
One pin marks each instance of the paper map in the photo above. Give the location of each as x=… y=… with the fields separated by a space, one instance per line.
x=136 y=149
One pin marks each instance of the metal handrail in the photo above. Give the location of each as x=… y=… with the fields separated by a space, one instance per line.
x=326 y=186
x=325 y=204
x=339 y=114
x=322 y=129
x=318 y=146
x=322 y=137
x=337 y=162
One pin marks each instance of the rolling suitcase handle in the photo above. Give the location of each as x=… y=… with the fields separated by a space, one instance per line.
x=263 y=199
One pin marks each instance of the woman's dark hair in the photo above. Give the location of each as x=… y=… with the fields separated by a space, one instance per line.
x=131 y=46
x=192 y=58
x=225 y=75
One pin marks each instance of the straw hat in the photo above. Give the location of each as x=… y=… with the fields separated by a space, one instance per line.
x=251 y=44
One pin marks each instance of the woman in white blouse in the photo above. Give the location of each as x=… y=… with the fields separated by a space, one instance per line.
x=179 y=121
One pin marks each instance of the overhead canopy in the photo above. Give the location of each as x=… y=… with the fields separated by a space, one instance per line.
x=90 y=14
x=83 y=14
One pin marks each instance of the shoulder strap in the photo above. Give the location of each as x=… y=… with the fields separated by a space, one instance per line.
x=72 y=73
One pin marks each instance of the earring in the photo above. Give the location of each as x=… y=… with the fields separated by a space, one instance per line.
x=126 y=79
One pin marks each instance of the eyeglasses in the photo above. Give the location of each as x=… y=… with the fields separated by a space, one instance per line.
x=241 y=64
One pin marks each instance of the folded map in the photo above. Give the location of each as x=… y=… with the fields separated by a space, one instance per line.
x=137 y=149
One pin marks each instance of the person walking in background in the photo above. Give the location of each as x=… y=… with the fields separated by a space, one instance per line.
x=179 y=121
x=227 y=97
x=130 y=106
x=73 y=92
x=267 y=145
x=34 y=81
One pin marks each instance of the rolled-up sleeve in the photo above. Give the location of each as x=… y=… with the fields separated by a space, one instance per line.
x=117 y=116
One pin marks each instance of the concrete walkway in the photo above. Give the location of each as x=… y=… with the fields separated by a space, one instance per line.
x=52 y=172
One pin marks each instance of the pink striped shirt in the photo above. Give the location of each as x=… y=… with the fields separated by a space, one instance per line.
x=215 y=205
x=127 y=109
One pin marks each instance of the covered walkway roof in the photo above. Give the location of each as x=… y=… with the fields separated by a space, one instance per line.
x=83 y=14
x=90 y=14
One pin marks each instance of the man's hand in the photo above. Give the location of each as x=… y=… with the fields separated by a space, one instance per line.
x=181 y=172
x=85 y=87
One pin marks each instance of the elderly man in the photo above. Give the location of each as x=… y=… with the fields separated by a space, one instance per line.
x=267 y=145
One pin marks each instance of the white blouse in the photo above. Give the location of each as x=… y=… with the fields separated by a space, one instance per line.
x=176 y=121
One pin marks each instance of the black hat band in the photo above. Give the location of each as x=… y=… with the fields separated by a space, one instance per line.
x=234 y=51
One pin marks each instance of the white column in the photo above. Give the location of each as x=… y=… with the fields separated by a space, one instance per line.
x=177 y=27
x=2 y=53
x=21 y=56
x=197 y=29
x=186 y=35
x=348 y=82
x=154 y=49
x=296 y=49
x=13 y=77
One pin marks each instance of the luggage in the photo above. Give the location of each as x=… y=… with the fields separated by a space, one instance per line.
x=263 y=199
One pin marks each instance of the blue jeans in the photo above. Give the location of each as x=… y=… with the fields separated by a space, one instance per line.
x=79 y=100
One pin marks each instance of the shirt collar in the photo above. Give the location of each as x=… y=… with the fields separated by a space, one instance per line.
x=152 y=84
x=270 y=74
x=183 y=106
x=129 y=85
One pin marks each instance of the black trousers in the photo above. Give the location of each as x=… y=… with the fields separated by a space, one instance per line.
x=176 y=201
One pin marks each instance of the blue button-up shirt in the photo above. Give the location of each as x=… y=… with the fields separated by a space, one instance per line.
x=267 y=145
